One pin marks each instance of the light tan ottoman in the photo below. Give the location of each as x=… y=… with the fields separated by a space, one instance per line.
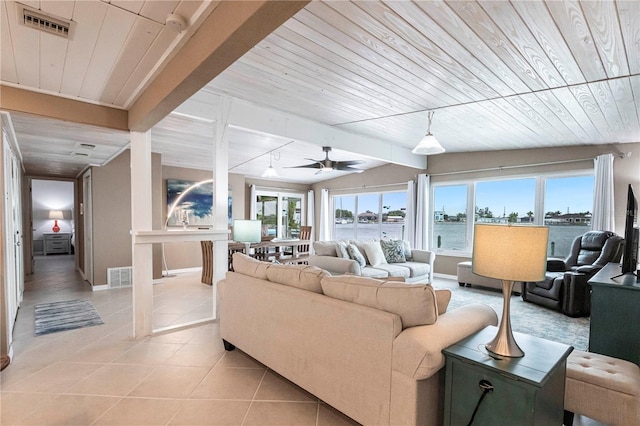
x=603 y=388
x=466 y=276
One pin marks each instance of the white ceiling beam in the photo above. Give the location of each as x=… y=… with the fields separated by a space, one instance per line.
x=273 y=122
x=226 y=34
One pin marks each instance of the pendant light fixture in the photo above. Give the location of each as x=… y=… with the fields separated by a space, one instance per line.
x=271 y=172
x=429 y=145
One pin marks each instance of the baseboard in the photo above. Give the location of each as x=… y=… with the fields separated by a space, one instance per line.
x=100 y=287
x=446 y=276
x=166 y=273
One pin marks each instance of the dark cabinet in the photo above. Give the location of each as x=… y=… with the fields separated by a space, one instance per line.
x=524 y=391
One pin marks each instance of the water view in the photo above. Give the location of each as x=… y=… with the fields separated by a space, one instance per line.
x=452 y=235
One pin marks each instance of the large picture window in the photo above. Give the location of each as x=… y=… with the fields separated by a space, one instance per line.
x=450 y=217
x=370 y=215
x=563 y=203
x=567 y=211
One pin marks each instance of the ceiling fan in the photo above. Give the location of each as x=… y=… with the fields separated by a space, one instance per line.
x=327 y=165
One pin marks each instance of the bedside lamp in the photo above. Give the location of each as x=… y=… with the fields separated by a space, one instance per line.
x=247 y=232
x=509 y=253
x=55 y=215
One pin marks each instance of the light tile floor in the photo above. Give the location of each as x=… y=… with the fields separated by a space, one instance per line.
x=100 y=376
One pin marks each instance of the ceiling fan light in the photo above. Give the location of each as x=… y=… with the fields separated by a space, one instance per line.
x=270 y=172
x=429 y=145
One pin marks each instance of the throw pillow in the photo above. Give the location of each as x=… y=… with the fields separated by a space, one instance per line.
x=408 y=254
x=355 y=254
x=414 y=304
x=360 y=246
x=393 y=251
x=341 y=249
x=374 y=253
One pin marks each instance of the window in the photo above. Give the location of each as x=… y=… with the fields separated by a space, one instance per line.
x=450 y=218
x=567 y=211
x=505 y=201
x=344 y=217
x=561 y=202
x=370 y=215
x=281 y=213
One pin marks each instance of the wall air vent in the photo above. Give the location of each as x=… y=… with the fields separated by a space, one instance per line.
x=79 y=154
x=39 y=20
x=120 y=277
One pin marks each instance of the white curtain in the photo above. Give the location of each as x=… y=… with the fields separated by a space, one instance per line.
x=325 y=231
x=252 y=201
x=410 y=216
x=311 y=213
x=422 y=211
x=603 y=218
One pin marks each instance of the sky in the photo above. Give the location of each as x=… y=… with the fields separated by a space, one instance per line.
x=395 y=201
x=518 y=195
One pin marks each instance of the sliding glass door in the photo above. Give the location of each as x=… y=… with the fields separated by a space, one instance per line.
x=281 y=213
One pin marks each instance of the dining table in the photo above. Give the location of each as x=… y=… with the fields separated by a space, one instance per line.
x=273 y=249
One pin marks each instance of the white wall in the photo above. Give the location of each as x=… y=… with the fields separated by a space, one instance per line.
x=51 y=195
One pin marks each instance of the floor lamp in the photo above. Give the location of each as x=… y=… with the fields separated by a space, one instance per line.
x=509 y=253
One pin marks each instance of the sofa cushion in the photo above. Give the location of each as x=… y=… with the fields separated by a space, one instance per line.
x=355 y=254
x=371 y=272
x=374 y=253
x=246 y=265
x=393 y=251
x=443 y=297
x=325 y=248
x=417 y=269
x=394 y=269
x=414 y=304
x=301 y=276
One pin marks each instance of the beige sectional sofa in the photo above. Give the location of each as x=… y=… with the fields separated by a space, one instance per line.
x=371 y=349
x=417 y=266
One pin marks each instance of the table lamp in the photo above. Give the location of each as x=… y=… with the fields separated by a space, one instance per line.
x=509 y=253
x=55 y=215
x=247 y=232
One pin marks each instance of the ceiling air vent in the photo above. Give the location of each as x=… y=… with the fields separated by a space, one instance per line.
x=49 y=24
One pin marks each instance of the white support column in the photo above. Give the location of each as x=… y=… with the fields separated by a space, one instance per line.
x=141 y=215
x=221 y=192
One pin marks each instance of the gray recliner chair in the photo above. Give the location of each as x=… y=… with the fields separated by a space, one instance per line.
x=565 y=287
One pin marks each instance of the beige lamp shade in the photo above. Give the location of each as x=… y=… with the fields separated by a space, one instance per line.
x=56 y=214
x=510 y=252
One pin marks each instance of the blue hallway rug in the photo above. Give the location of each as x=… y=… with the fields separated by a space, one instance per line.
x=63 y=316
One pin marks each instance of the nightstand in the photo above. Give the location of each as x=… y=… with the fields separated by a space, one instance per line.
x=59 y=242
x=525 y=391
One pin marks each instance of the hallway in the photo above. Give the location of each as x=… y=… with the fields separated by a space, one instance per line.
x=100 y=375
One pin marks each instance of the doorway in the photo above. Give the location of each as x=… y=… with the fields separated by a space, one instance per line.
x=53 y=225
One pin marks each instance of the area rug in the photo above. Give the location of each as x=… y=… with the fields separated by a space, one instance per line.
x=63 y=316
x=529 y=318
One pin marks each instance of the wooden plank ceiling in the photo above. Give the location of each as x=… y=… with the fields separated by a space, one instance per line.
x=498 y=74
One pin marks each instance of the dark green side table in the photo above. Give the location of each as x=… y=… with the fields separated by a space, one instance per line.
x=525 y=391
